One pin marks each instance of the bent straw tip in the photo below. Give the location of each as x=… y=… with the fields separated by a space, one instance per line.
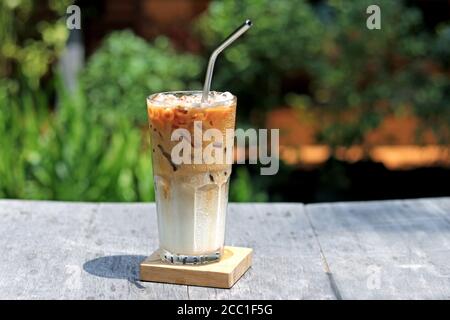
x=236 y=34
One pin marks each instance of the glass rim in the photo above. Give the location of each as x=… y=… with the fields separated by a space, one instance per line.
x=150 y=98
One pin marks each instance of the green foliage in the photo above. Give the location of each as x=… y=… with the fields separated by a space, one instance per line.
x=356 y=60
x=322 y=55
x=126 y=69
x=285 y=39
x=71 y=154
x=441 y=47
x=242 y=188
x=75 y=154
x=360 y=67
x=26 y=53
x=310 y=54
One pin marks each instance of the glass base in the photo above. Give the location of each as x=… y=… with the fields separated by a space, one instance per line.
x=190 y=259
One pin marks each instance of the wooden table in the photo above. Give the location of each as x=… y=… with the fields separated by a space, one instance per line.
x=359 y=250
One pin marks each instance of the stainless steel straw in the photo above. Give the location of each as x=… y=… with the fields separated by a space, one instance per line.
x=212 y=59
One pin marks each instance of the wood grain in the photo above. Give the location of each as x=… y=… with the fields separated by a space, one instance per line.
x=286 y=259
x=386 y=249
x=57 y=250
x=381 y=250
x=61 y=250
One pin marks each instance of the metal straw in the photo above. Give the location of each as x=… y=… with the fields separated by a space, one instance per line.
x=212 y=59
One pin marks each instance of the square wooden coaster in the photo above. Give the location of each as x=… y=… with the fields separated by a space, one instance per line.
x=223 y=274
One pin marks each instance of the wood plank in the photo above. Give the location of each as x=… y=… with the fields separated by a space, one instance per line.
x=222 y=274
x=440 y=205
x=57 y=250
x=92 y=251
x=286 y=259
x=386 y=249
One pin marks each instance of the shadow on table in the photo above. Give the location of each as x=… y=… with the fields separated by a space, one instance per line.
x=116 y=267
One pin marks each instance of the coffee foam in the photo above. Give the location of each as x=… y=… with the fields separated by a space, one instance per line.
x=191 y=100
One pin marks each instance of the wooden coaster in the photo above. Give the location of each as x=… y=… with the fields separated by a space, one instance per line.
x=223 y=274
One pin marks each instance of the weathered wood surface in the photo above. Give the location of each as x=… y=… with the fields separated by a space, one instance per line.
x=62 y=250
x=386 y=250
x=381 y=249
x=286 y=259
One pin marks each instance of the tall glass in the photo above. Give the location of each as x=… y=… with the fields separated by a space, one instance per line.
x=191 y=196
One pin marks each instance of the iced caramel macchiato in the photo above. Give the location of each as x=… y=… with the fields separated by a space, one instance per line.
x=191 y=196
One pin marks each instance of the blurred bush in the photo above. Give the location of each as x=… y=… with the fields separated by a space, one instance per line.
x=28 y=44
x=72 y=154
x=320 y=56
x=284 y=41
x=317 y=56
x=126 y=69
x=441 y=47
x=243 y=189
x=371 y=73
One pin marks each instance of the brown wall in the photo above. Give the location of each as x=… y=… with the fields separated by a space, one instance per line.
x=147 y=18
